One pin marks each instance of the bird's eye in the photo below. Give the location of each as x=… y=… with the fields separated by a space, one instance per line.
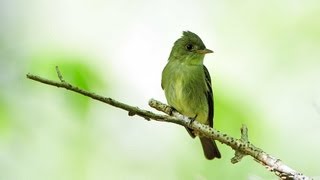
x=189 y=47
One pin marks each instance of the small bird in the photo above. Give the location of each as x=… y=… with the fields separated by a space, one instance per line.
x=187 y=86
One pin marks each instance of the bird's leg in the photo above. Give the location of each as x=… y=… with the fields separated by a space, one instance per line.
x=192 y=119
x=170 y=110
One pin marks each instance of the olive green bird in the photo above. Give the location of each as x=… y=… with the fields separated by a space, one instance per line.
x=187 y=86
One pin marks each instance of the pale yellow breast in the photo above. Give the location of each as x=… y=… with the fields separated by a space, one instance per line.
x=185 y=90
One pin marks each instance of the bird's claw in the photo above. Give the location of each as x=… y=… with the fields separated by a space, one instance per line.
x=192 y=119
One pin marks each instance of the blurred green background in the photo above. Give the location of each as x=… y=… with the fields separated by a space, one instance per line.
x=265 y=70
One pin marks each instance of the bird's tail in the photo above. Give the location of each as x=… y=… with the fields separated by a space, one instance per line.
x=210 y=148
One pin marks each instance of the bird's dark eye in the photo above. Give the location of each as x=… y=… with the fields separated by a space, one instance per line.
x=189 y=47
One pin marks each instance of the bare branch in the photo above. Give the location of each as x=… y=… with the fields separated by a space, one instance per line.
x=241 y=146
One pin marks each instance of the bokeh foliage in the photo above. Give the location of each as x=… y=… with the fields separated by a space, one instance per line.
x=265 y=74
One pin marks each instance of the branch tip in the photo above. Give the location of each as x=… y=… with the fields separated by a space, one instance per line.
x=237 y=157
x=243 y=141
x=244 y=133
x=59 y=74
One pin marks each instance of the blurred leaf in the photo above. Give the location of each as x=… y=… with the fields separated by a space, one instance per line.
x=232 y=109
x=5 y=123
x=75 y=69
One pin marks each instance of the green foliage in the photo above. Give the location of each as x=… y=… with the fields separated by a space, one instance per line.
x=5 y=119
x=274 y=45
x=233 y=108
x=75 y=69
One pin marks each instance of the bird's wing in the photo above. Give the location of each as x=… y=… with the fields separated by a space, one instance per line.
x=209 y=95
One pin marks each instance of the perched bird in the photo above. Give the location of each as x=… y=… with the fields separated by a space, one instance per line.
x=187 y=86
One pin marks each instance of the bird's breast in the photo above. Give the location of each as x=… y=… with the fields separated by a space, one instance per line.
x=185 y=91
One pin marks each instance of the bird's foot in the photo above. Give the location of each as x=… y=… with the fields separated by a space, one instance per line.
x=169 y=110
x=192 y=119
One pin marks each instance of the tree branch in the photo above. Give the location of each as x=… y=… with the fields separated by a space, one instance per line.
x=242 y=146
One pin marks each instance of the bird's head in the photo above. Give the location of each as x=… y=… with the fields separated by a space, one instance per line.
x=189 y=49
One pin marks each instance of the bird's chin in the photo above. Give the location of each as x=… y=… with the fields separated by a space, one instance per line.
x=195 y=60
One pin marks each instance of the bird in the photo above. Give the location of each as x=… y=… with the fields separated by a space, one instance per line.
x=187 y=86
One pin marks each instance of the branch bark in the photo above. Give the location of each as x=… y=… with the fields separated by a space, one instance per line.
x=242 y=146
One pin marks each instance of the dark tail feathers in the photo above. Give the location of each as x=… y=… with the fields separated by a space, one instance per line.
x=210 y=148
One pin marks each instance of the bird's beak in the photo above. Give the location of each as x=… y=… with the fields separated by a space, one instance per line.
x=204 y=51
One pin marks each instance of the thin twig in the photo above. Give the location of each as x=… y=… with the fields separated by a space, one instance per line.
x=241 y=146
x=59 y=74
